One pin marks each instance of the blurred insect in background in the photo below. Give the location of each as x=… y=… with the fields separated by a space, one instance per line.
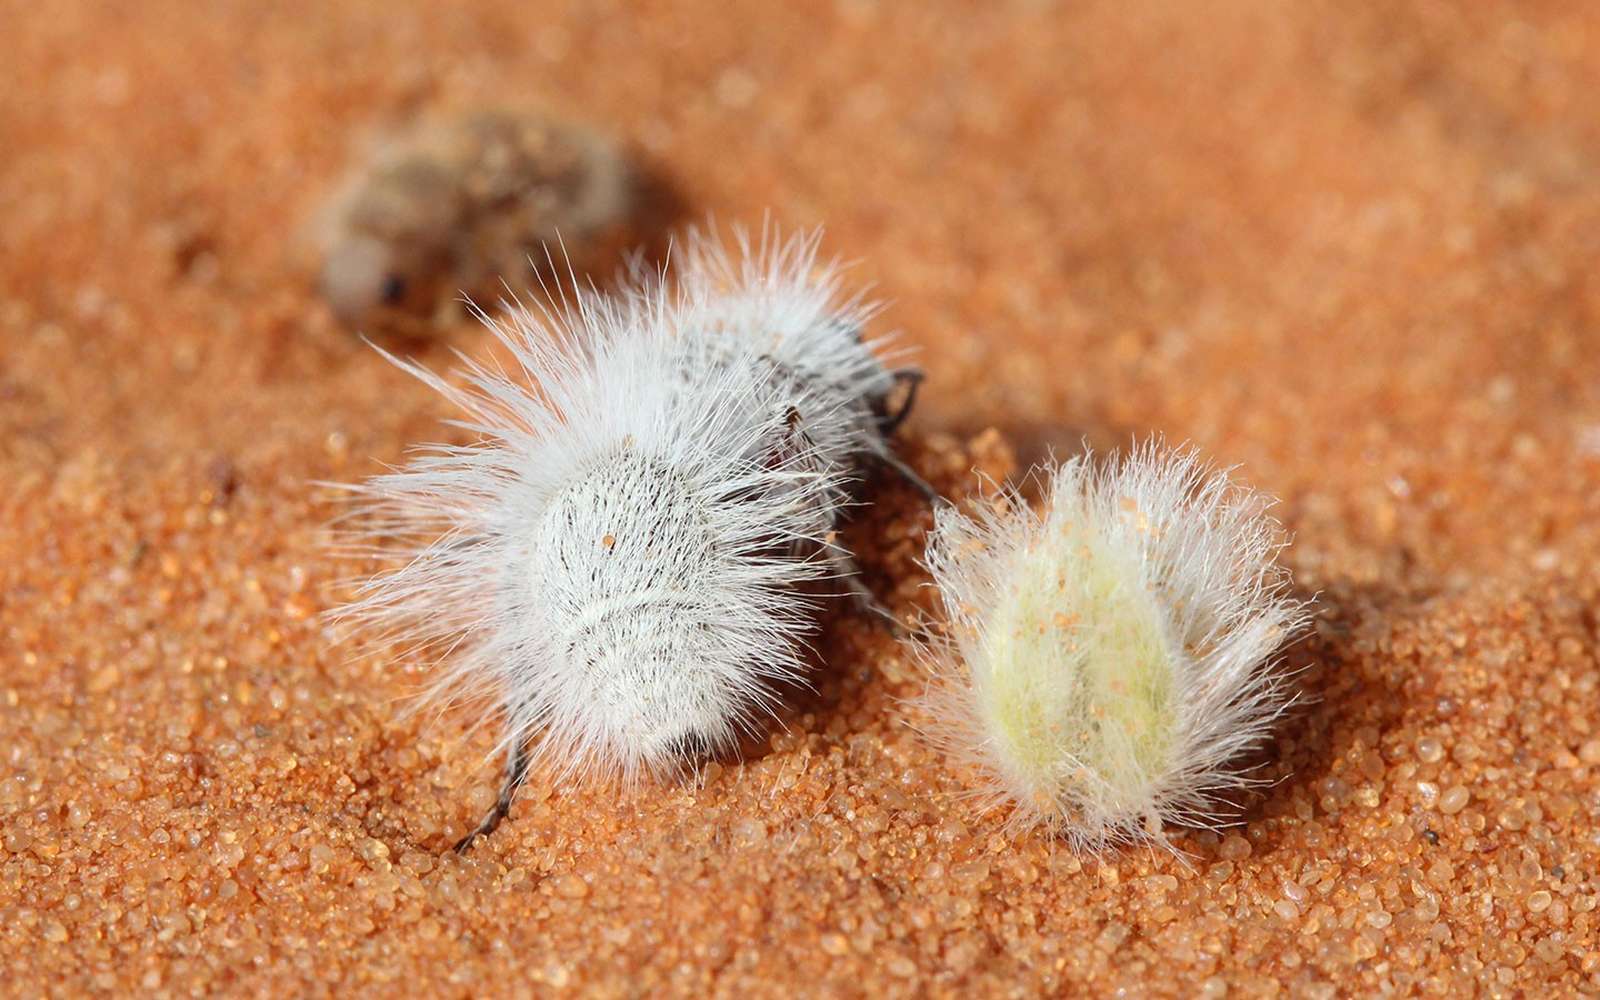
x=626 y=560
x=456 y=205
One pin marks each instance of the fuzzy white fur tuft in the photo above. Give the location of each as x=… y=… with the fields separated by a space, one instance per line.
x=616 y=560
x=1106 y=661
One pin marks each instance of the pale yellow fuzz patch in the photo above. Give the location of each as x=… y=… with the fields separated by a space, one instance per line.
x=1075 y=679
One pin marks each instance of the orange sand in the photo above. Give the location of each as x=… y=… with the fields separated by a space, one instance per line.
x=1349 y=247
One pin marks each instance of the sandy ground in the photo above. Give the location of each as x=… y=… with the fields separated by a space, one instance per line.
x=1347 y=246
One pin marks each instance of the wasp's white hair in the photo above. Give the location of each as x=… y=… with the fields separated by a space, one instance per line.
x=1106 y=661
x=618 y=558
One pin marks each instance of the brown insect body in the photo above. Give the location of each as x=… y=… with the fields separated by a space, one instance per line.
x=459 y=204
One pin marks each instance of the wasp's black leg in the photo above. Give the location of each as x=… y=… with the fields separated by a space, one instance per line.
x=850 y=572
x=912 y=379
x=909 y=474
x=516 y=773
x=888 y=423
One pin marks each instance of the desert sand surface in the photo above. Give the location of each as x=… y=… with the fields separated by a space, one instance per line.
x=1348 y=248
